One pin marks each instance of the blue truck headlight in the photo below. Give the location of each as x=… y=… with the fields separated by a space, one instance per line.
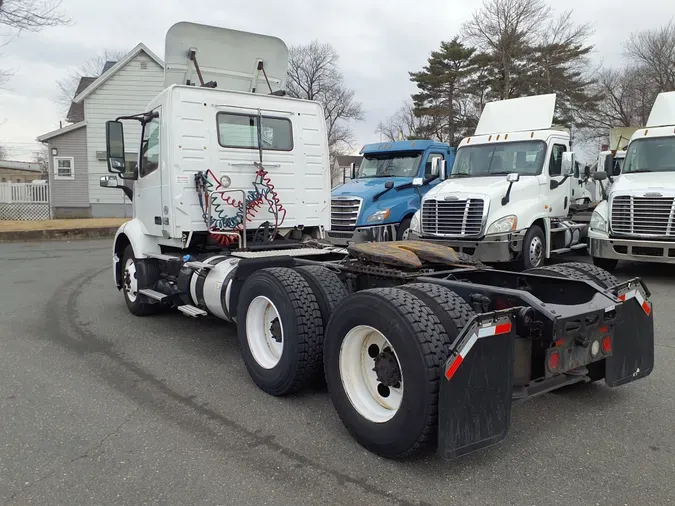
x=378 y=216
x=598 y=222
x=505 y=224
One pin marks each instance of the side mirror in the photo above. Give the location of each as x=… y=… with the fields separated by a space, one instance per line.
x=418 y=181
x=567 y=167
x=587 y=171
x=434 y=166
x=114 y=135
x=108 y=182
x=352 y=170
x=599 y=175
x=609 y=164
x=514 y=177
x=442 y=169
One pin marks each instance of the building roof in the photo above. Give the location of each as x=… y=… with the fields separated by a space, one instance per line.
x=61 y=131
x=76 y=111
x=345 y=161
x=14 y=165
x=115 y=68
x=108 y=65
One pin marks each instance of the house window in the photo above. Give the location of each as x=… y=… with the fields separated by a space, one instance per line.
x=4 y=179
x=64 y=168
x=241 y=131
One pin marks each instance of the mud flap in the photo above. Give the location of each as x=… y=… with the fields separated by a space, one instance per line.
x=474 y=406
x=633 y=350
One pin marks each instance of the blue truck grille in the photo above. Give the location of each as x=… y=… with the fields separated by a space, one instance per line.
x=458 y=218
x=344 y=212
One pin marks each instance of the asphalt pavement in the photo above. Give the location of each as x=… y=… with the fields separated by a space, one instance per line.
x=100 y=407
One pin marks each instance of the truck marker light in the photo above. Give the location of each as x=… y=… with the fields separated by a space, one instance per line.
x=553 y=361
x=646 y=307
x=606 y=344
x=604 y=330
x=559 y=343
x=495 y=330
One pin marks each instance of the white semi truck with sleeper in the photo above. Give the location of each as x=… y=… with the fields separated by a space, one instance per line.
x=421 y=346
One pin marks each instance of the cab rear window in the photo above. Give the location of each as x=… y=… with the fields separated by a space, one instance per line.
x=241 y=131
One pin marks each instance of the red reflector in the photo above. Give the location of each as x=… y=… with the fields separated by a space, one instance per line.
x=606 y=344
x=559 y=343
x=503 y=328
x=646 y=308
x=604 y=330
x=453 y=367
x=553 y=361
x=622 y=296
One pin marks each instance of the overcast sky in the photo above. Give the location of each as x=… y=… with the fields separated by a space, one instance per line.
x=379 y=42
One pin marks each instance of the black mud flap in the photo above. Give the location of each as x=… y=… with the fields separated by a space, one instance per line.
x=474 y=406
x=633 y=349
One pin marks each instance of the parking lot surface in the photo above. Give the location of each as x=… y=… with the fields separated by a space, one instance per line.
x=100 y=407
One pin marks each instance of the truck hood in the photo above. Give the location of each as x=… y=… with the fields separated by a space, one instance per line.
x=630 y=183
x=490 y=186
x=367 y=188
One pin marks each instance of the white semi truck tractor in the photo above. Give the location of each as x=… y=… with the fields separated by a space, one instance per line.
x=421 y=346
x=637 y=220
x=513 y=189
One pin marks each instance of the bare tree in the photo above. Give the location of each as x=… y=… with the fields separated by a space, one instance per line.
x=506 y=29
x=402 y=125
x=3 y=153
x=654 y=50
x=90 y=68
x=18 y=16
x=314 y=74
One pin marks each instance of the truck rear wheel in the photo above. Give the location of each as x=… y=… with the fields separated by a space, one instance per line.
x=134 y=278
x=279 y=330
x=329 y=292
x=383 y=356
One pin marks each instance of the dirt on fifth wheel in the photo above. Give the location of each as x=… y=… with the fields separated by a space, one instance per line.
x=58 y=229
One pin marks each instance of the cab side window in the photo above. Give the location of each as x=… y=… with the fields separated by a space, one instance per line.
x=430 y=159
x=150 y=148
x=555 y=164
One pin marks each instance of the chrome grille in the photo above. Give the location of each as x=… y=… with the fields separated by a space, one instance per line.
x=461 y=217
x=344 y=213
x=648 y=216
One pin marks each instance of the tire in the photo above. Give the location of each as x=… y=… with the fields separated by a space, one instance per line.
x=279 y=299
x=329 y=292
x=420 y=347
x=403 y=227
x=608 y=264
x=533 y=241
x=452 y=311
x=136 y=277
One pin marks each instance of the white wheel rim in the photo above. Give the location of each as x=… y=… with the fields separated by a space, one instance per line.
x=360 y=381
x=130 y=281
x=265 y=347
x=536 y=251
x=406 y=234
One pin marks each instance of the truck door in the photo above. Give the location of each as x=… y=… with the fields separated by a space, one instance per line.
x=148 y=187
x=559 y=197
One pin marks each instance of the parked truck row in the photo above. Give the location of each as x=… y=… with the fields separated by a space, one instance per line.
x=421 y=345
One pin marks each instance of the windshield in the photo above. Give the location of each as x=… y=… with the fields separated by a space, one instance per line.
x=650 y=155
x=389 y=164
x=526 y=158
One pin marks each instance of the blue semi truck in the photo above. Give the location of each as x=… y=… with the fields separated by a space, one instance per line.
x=386 y=190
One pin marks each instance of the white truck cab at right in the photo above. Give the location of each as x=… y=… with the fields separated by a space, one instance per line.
x=637 y=221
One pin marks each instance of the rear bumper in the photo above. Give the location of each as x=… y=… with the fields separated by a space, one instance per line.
x=493 y=248
x=377 y=233
x=602 y=246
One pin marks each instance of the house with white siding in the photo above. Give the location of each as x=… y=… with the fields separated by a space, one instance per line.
x=77 y=152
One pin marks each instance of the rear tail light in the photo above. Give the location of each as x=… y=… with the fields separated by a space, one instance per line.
x=606 y=344
x=553 y=361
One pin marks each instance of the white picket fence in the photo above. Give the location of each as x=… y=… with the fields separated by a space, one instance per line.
x=24 y=201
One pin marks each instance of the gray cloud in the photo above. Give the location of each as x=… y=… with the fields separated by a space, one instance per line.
x=378 y=43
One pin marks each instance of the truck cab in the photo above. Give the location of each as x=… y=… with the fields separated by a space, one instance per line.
x=637 y=221
x=385 y=190
x=510 y=192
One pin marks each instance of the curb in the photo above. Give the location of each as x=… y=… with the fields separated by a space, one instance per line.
x=57 y=235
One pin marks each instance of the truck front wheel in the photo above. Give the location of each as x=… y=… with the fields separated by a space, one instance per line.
x=403 y=232
x=534 y=248
x=136 y=276
x=383 y=354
